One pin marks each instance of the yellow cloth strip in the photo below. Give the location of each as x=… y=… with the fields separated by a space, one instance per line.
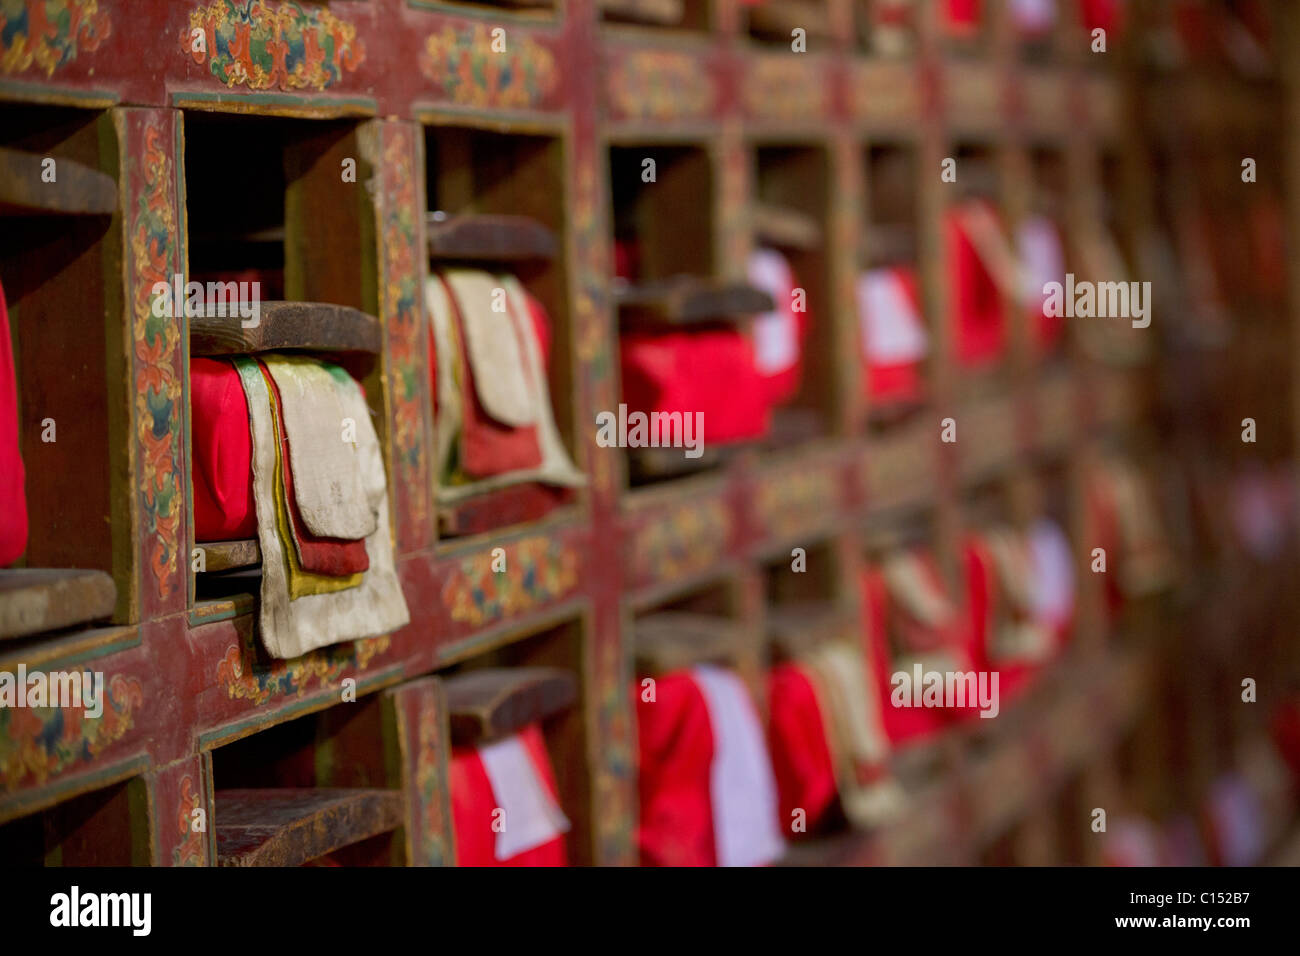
x=300 y=582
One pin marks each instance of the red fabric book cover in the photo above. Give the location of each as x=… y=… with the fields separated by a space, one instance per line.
x=13 y=493
x=473 y=805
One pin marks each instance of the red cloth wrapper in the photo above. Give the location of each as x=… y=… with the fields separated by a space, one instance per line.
x=982 y=601
x=223 y=453
x=903 y=725
x=885 y=381
x=675 y=753
x=710 y=371
x=975 y=302
x=801 y=759
x=473 y=803
x=13 y=492
x=770 y=271
x=961 y=18
x=1105 y=15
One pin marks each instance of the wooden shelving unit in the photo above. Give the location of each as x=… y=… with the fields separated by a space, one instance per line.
x=533 y=165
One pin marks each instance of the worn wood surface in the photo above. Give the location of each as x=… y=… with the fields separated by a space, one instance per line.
x=491 y=238
x=228 y=555
x=36 y=600
x=798 y=627
x=77 y=190
x=309 y=326
x=671 y=640
x=501 y=508
x=659 y=12
x=785 y=227
x=488 y=704
x=777 y=20
x=689 y=300
x=289 y=827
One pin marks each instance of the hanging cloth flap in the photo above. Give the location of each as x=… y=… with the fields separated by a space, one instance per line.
x=1053 y=563
x=924 y=620
x=857 y=740
x=498 y=364
x=324 y=556
x=1018 y=632
x=915 y=586
x=290 y=628
x=980 y=223
x=450 y=371
x=532 y=817
x=776 y=333
x=742 y=786
x=555 y=468
x=889 y=319
x=326 y=470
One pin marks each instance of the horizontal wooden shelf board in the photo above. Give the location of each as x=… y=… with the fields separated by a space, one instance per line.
x=688 y=300
x=656 y=12
x=489 y=237
x=228 y=555
x=663 y=464
x=785 y=227
x=510 y=507
x=492 y=703
x=777 y=20
x=671 y=640
x=289 y=827
x=68 y=647
x=794 y=426
x=38 y=600
x=309 y=326
x=797 y=627
x=77 y=190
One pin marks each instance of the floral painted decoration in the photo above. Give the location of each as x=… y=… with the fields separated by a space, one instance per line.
x=266 y=46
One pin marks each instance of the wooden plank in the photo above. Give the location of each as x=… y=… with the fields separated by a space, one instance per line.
x=77 y=189
x=777 y=18
x=501 y=508
x=289 y=827
x=313 y=326
x=660 y=12
x=37 y=600
x=890 y=245
x=661 y=464
x=228 y=555
x=492 y=703
x=671 y=640
x=688 y=300
x=786 y=227
x=494 y=238
x=797 y=627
